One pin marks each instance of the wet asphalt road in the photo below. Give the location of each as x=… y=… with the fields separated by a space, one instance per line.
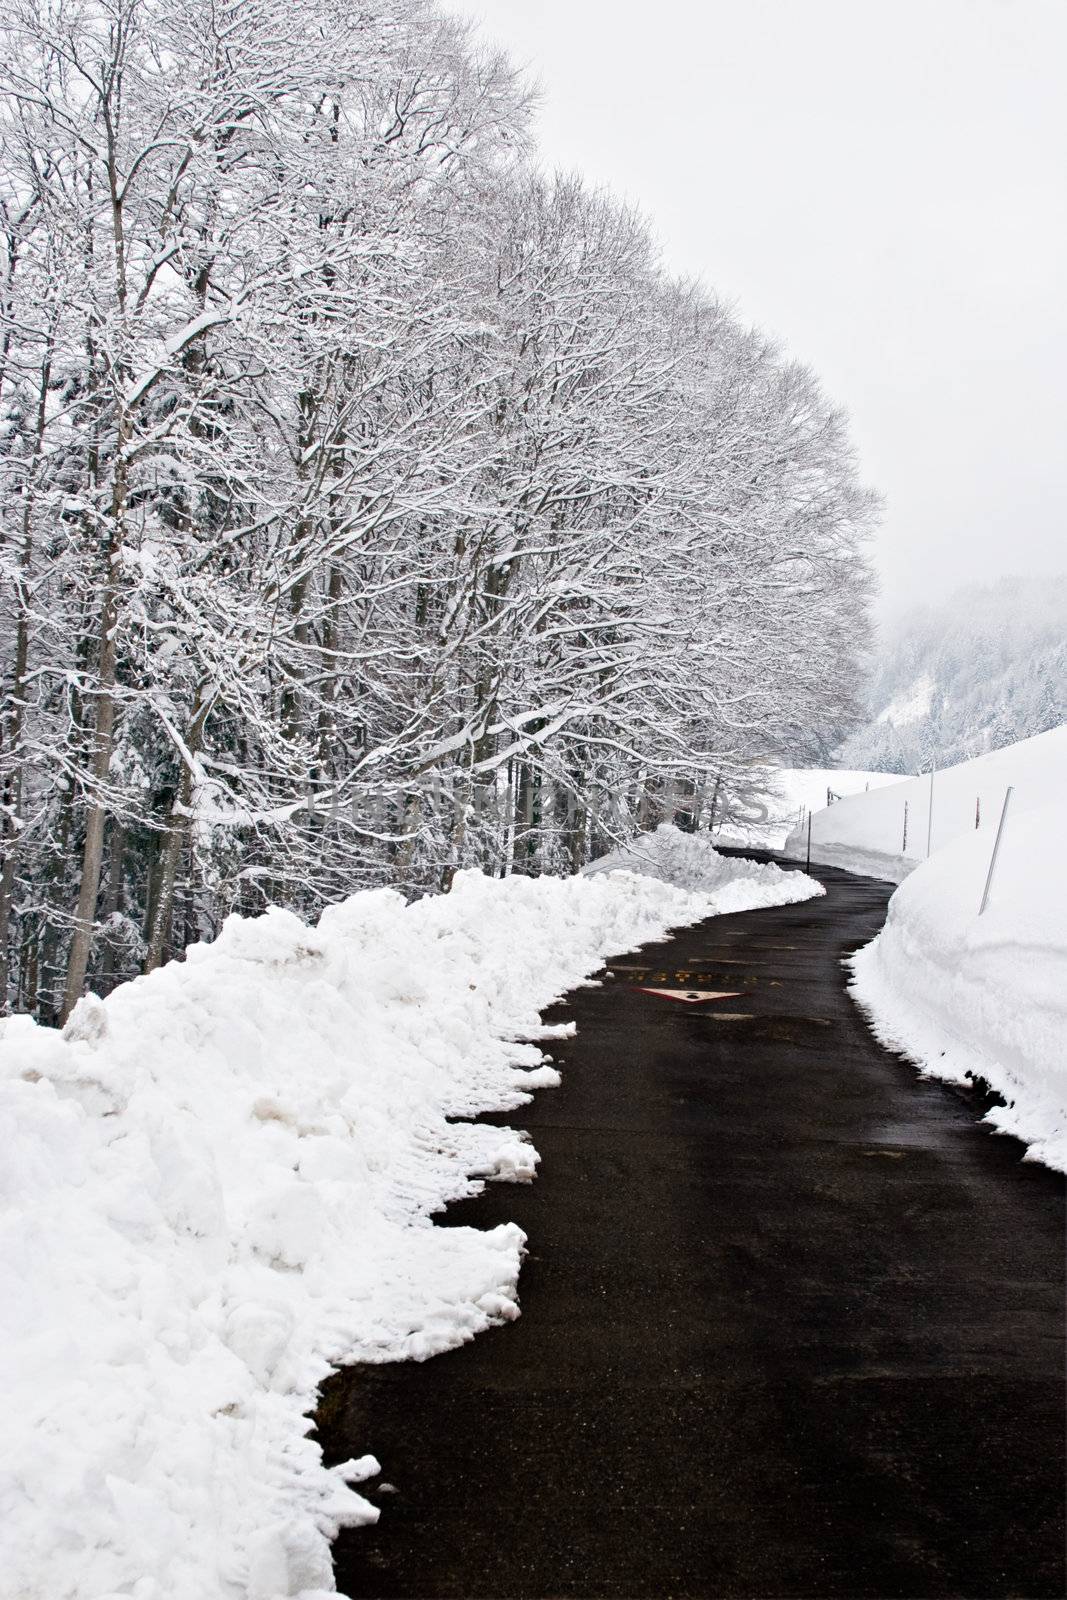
x=793 y=1322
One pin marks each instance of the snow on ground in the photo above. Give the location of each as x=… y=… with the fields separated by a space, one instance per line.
x=218 y=1182
x=690 y=861
x=964 y=994
x=784 y=797
x=865 y=832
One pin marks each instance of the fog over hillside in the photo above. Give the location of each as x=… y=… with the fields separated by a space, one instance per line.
x=951 y=681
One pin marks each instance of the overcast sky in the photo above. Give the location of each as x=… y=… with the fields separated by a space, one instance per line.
x=881 y=184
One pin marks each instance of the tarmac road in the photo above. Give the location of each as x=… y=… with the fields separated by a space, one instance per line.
x=793 y=1322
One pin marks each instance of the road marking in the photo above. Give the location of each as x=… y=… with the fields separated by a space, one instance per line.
x=692 y=997
x=679 y=977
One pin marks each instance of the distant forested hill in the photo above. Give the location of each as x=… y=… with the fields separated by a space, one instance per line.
x=952 y=681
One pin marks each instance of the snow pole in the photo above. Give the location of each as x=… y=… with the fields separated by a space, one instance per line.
x=996 y=850
x=930 y=811
x=978 y=810
x=807 y=863
x=904 y=841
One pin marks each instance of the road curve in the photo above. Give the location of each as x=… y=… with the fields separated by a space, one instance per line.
x=793 y=1321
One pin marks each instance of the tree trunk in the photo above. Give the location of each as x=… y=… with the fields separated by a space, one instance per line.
x=104 y=732
x=93 y=852
x=174 y=843
x=113 y=896
x=527 y=817
x=104 y=722
x=15 y=709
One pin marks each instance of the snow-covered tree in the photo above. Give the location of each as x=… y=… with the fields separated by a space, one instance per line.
x=983 y=668
x=373 y=503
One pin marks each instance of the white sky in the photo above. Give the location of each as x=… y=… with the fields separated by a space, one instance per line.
x=880 y=183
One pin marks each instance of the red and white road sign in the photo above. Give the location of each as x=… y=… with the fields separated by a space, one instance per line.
x=693 y=997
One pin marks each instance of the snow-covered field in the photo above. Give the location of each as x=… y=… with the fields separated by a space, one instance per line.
x=964 y=994
x=218 y=1183
x=865 y=832
x=786 y=796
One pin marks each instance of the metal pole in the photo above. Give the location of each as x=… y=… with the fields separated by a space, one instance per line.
x=807 y=864
x=904 y=841
x=978 y=811
x=996 y=849
x=930 y=813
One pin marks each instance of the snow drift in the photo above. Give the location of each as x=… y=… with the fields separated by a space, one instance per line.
x=865 y=832
x=690 y=861
x=967 y=995
x=782 y=799
x=219 y=1182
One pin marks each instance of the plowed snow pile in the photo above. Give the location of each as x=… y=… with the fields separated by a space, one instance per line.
x=885 y=833
x=219 y=1182
x=968 y=995
x=766 y=818
x=691 y=861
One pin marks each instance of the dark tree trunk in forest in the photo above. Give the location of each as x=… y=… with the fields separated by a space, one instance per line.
x=103 y=736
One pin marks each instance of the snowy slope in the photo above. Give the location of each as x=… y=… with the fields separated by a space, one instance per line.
x=784 y=796
x=981 y=670
x=219 y=1181
x=912 y=705
x=865 y=832
x=987 y=995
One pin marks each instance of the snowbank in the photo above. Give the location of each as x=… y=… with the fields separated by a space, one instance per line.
x=788 y=794
x=690 y=861
x=865 y=832
x=965 y=995
x=219 y=1182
